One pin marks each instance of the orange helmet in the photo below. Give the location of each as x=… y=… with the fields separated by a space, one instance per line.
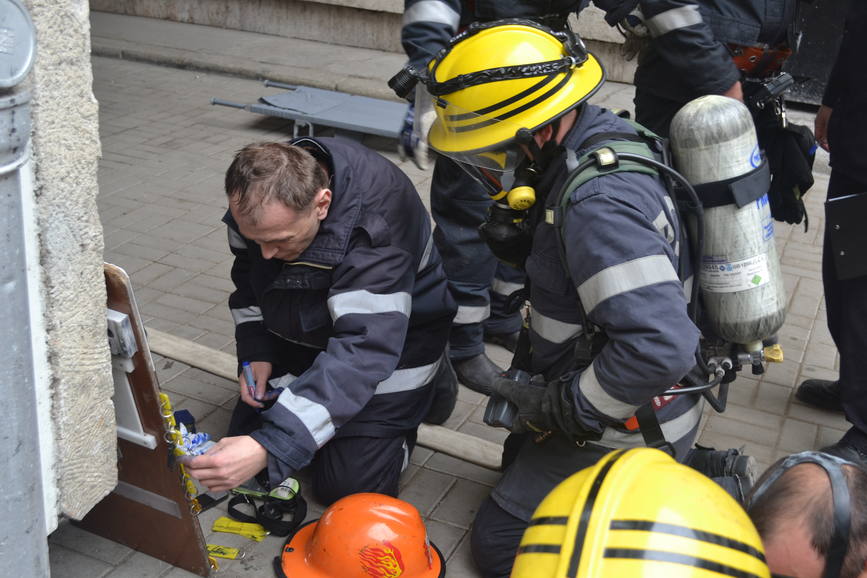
x=363 y=536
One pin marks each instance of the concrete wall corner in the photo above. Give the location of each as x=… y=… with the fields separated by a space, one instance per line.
x=65 y=153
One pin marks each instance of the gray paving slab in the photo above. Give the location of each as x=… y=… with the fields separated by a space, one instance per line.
x=165 y=149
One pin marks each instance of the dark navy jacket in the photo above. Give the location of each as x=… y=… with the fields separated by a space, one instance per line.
x=688 y=56
x=623 y=246
x=846 y=94
x=429 y=24
x=360 y=318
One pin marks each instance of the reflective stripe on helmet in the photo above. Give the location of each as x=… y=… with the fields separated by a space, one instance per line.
x=687 y=532
x=499 y=117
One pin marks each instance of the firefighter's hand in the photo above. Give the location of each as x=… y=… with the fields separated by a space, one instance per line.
x=528 y=399
x=227 y=465
x=543 y=408
x=261 y=371
x=412 y=142
x=820 y=126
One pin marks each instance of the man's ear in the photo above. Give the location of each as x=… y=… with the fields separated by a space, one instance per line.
x=543 y=135
x=323 y=203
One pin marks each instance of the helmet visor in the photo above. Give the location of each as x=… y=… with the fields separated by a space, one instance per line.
x=453 y=136
x=495 y=183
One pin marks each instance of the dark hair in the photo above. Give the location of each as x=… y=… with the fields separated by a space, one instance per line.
x=792 y=498
x=262 y=172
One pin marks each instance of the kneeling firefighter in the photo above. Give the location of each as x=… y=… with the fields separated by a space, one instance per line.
x=608 y=328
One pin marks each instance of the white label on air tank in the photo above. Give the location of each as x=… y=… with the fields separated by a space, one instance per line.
x=719 y=276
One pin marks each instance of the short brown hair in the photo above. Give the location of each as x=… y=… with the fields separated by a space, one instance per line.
x=262 y=172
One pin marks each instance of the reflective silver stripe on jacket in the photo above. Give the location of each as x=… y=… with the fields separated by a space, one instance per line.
x=687 y=288
x=401 y=380
x=625 y=277
x=664 y=226
x=425 y=257
x=590 y=387
x=365 y=302
x=673 y=19
x=551 y=329
x=408 y=379
x=246 y=314
x=505 y=287
x=283 y=381
x=673 y=430
x=314 y=416
x=471 y=314
x=432 y=11
x=236 y=241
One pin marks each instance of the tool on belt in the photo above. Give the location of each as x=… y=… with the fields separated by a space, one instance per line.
x=759 y=61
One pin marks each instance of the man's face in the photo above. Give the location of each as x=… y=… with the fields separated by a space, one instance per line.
x=790 y=555
x=281 y=232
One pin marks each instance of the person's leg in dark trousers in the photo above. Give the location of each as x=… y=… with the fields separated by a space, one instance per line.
x=458 y=206
x=654 y=112
x=350 y=465
x=494 y=539
x=846 y=302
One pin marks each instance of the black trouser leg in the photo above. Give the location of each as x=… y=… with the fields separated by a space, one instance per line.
x=846 y=302
x=350 y=465
x=494 y=540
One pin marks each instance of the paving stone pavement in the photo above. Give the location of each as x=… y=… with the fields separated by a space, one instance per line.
x=165 y=150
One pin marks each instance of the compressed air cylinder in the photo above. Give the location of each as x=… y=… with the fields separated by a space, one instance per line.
x=714 y=142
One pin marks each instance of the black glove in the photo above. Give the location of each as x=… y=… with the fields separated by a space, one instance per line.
x=791 y=151
x=542 y=408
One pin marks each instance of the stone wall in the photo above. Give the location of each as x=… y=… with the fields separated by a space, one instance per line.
x=363 y=23
x=65 y=152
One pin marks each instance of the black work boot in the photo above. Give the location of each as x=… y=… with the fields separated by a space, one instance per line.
x=731 y=469
x=852 y=446
x=820 y=393
x=477 y=372
x=508 y=341
x=445 y=395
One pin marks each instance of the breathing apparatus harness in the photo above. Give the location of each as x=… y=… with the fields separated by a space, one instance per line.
x=647 y=153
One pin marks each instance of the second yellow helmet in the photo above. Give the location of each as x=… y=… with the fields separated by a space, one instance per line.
x=639 y=513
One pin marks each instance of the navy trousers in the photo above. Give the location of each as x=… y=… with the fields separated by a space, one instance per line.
x=846 y=302
x=479 y=283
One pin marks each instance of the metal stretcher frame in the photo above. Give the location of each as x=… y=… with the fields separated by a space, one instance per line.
x=308 y=106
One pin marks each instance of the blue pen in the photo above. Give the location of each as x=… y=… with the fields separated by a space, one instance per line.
x=251 y=381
